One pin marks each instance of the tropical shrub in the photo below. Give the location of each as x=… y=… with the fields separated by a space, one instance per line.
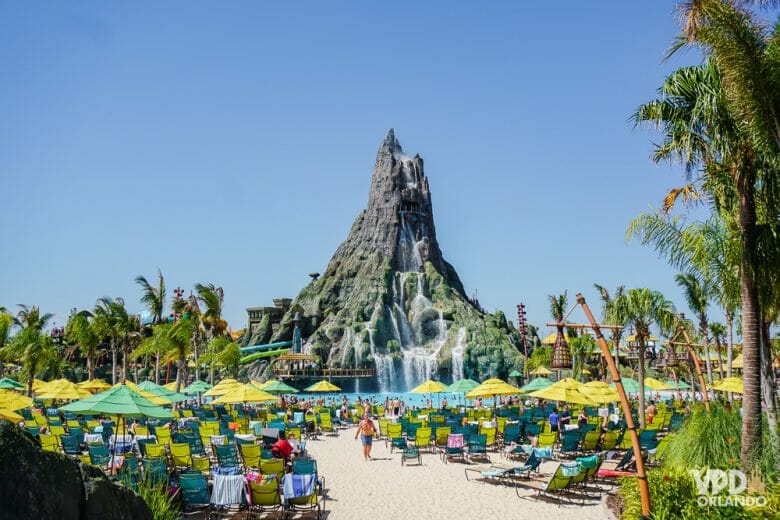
x=162 y=505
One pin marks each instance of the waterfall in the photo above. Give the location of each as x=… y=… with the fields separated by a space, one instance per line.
x=457 y=355
x=410 y=248
x=385 y=369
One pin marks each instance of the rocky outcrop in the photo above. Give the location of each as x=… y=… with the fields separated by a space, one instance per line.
x=42 y=484
x=389 y=299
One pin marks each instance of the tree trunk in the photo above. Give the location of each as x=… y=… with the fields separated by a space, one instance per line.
x=90 y=368
x=113 y=362
x=719 y=348
x=641 y=379
x=706 y=342
x=157 y=368
x=124 y=364
x=751 y=326
x=768 y=388
x=180 y=372
x=30 y=381
x=730 y=342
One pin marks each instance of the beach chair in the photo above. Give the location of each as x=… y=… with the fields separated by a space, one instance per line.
x=440 y=437
x=49 y=442
x=154 y=451
x=531 y=430
x=395 y=437
x=590 y=441
x=128 y=472
x=227 y=456
x=250 y=454
x=556 y=485
x=490 y=436
x=98 y=454
x=546 y=440
x=511 y=434
x=272 y=467
x=326 y=424
x=383 y=422
x=610 y=440
x=656 y=455
x=505 y=474
x=300 y=493
x=308 y=467
x=180 y=454
x=477 y=447
x=422 y=438
x=71 y=444
x=201 y=463
x=195 y=493
x=454 y=448
x=570 y=442
x=163 y=435
x=266 y=497
x=411 y=453
x=156 y=470
x=647 y=439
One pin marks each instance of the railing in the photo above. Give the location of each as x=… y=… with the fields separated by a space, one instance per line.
x=328 y=372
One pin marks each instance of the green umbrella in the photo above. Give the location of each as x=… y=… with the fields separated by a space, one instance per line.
x=536 y=384
x=277 y=387
x=196 y=387
x=631 y=386
x=515 y=373
x=462 y=386
x=682 y=385
x=161 y=391
x=10 y=384
x=119 y=400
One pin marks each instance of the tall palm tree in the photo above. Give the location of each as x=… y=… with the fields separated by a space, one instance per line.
x=718 y=332
x=180 y=337
x=608 y=316
x=82 y=331
x=729 y=125
x=696 y=295
x=31 y=346
x=643 y=309
x=154 y=300
x=211 y=299
x=6 y=323
x=122 y=328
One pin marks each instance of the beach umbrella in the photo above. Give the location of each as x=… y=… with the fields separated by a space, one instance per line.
x=223 y=387
x=682 y=385
x=14 y=401
x=119 y=400
x=277 y=387
x=600 y=392
x=10 y=415
x=492 y=388
x=170 y=386
x=536 y=384
x=196 y=387
x=429 y=387
x=462 y=386
x=541 y=371
x=322 y=387
x=563 y=393
x=94 y=385
x=729 y=384
x=738 y=362
x=161 y=391
x=568 y=383
x=10 y=384
x=244 y=394
x=515 y=373
x=655 y=384
x=631 y=386
x=550 y=340
x=61 y=389
x=38 y=383
x=155 y=399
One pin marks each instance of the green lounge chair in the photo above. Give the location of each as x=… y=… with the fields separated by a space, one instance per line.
x=422 y=438
x=195 y=492
x=266 y=497
x=477 y=447
x=411 y=453
x=591 y=441
x=557 y=485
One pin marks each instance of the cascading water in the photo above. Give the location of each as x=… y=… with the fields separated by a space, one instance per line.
x=385 y=369
x=457 y=355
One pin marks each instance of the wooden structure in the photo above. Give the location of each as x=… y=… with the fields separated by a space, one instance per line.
x=306 y=366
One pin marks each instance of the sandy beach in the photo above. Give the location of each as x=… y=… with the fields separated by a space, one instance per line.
x=382 y=489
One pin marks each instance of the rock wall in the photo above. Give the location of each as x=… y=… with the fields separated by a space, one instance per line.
x=38 y=484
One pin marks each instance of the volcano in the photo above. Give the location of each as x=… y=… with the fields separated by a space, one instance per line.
x=388 y=298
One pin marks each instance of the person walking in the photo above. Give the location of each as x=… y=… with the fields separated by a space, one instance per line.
x=366 y=430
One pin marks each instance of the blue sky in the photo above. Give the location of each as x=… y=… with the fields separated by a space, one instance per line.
x=233 y=143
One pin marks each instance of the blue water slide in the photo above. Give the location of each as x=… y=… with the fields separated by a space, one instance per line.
x=264 y=348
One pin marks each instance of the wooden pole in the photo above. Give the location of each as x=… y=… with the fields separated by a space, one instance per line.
x=696 y=363
x=644 y=489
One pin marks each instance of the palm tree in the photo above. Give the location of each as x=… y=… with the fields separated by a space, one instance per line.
x=82 y=331
x=718 y=332
x=696 y=295
x=31 y=346
x=122 y=328
x=643 y=309
x=608 y=316
x=6 y=323
x=154 y=300
x=179 y=337
x=211 y=299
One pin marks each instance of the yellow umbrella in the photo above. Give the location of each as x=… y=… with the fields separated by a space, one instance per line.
x=223 y=387
x=561 y=393
x=599 y=392
x=155 y=399
x=170 y=386
x=321 y=387
x=37 y=383
x=61 y=389
x=13 y=401
x=260 y=385
x=730 y=384
x=12 y=416
x=429 y=387
x=550 y=340
x=568 y=383
x=541 y=371
x=94 y=385
x=244 y=394
x=655 y=384
x=492 y=388
x=739 y=362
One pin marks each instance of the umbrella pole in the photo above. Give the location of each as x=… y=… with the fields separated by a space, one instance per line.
x=113 y=451
x=644 y=489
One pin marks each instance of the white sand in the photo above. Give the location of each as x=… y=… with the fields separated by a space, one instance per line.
x=382 y=489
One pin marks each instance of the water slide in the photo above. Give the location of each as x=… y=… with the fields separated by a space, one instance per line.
x=270 y=350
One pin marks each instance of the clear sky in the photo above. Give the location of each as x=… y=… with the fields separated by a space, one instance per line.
x=233 y=142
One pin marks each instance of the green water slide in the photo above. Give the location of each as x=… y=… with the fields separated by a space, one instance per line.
x=270 y=350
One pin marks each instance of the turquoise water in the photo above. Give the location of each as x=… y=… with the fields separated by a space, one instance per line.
x=418 y=400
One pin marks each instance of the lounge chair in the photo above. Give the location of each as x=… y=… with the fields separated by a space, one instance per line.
x=546 y=439
x=422 y=438
x=477 y=447
x=454 y=448
x=98 y=454
x=590 y=441
x=154 y=451
x=300 y=493
x=394 y=437
x=610 y=440
x=266 y=497
x=272 y=467
x=570 y=442
x=227 y=456
x=156 y=470
x=195 y=492
x=180 y=454
x=250 y=454
x=71 y=444
x=502 y=474
x=411 y=453
x=556 y=485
